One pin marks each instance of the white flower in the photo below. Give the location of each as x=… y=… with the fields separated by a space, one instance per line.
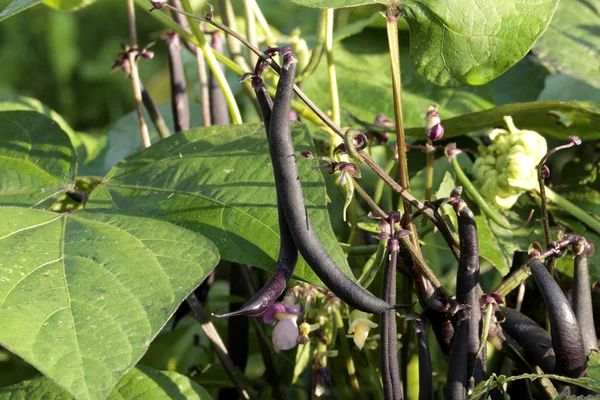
x=508 y=166
x=360 y=324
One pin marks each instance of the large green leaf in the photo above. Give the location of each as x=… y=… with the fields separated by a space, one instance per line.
x=218 y=181
x=16 y=7
x=460 y=43
x=87 y=146
x=540 y=116
x=82 y=295
x=497 y=245
x=572 y=42
x=139 y=383
x=365 y=84
x=335 y=3
x=564 y=88
x=68 y=5
x=37 y=159
x=124 y=137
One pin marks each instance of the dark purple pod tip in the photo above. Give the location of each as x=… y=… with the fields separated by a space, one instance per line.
x=545 y=172
x=210 y=14
x=307 y=154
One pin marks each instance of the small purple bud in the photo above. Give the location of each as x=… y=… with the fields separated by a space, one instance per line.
x=157 y=4
x=575 y=140
x=590 y=248
x=435 y=133
x=147 y=54
x=452 y=151
x=294 y=116
x=307 y=154
x=545 y=172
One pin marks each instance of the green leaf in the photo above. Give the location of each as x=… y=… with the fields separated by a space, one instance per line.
x=37 y=159
x=82 y=295
x=572 y=43
x=498 y=245
x=87 y=146
x=68 y=5
x=458 y=43
x=16 y=7
x=564 y=88
x=334 y=3
x=365 y=84
x=124 y=136
x=140 y=382
x=539 y=116
x=218 y=181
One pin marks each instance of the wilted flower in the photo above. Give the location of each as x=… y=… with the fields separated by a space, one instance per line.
x=285 y=334
x=360 y=324
x=508 y=166
x=321 y=380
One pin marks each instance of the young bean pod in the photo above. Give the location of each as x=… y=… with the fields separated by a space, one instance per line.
x=425 y=371
x=288 y=253
x=534 y=339
x=582 y=296
x=456 y=388
x=390 y=371
x=567 y=341
x=467 y=285
x=292 y=199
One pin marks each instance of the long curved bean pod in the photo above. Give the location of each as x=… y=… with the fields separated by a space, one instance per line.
x=534 y=339
x=582 y=297
x=289 y=189
x=467 y=285
x=425 y=371
x=288 y=253
x=390 y=370
x=456 y=388
x=567 y=342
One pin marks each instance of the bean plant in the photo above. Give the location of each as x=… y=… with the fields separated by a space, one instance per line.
x=345 y=205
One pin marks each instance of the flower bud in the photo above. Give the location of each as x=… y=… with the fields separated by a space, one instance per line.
x=158 y=4
x=360 y=324
x=433 y=127
x=508 y=166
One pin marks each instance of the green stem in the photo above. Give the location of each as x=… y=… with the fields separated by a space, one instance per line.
x=429 y=170
x=270 y=39
x=317 y=51
x=368 y=199
x=391 y=19
x=572 y=209
x=378 y=192
x=335 y=100
x=213 y=64
x=512 y=282
x=491 y=212
x=250 y=27
x=345 y=350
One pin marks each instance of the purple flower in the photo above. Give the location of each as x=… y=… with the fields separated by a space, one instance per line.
x=285 y=335
x=279 y=311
